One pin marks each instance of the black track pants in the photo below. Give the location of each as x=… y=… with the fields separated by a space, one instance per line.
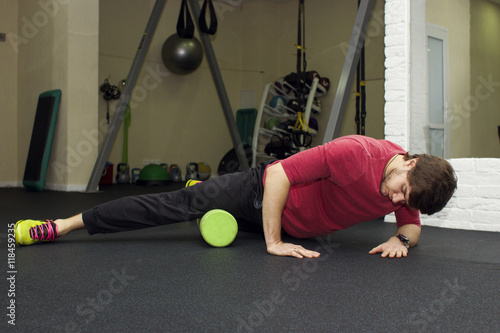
x=237 y=193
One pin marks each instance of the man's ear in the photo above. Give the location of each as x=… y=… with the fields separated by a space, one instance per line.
x=411 y=163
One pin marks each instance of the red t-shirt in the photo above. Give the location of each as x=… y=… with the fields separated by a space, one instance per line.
x=337 y=185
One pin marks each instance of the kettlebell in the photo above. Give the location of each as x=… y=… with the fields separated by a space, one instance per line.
x=175 y=173
x=204 y=171
x=122 y=173
x=192 y=171
x=135 y=174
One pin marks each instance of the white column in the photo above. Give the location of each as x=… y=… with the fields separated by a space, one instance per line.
x=397 y=73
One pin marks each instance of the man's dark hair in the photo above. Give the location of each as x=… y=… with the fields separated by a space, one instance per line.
x=433 y=182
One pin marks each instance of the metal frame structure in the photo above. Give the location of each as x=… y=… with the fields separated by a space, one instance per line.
x=135 y=69
x=336 y=115
x=93 y=184
x=348 y=71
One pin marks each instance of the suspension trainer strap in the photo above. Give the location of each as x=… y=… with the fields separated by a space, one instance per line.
x=304 y=61
x=298 y=86
x=185 y=25
x=361 y=93
x=357 y=118
x=363 y=90
x=300 y=52
x=301 y=134
x=202 y=20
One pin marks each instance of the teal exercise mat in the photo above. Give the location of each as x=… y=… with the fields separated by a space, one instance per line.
x=41 y=140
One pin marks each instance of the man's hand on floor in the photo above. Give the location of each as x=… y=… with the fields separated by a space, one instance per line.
x=291 y=250
x=393 y=248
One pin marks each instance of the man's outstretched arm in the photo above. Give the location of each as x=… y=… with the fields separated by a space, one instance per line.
x=276 y=188
x=394 y=247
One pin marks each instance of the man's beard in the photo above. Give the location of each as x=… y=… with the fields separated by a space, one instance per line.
x=394 y=173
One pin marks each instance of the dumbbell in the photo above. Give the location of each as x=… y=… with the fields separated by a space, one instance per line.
x=218 y=227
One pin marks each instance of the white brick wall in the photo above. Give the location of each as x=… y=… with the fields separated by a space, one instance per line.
x=476 y=203
x=397 y=66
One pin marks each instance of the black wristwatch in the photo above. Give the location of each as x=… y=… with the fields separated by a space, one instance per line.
x=405 y=240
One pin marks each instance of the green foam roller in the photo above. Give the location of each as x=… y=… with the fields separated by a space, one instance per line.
x=218 y=228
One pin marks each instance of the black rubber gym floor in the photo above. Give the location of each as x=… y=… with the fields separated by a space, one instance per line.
x=167 y=279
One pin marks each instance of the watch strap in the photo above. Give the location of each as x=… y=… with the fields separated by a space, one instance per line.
x=405 y=240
